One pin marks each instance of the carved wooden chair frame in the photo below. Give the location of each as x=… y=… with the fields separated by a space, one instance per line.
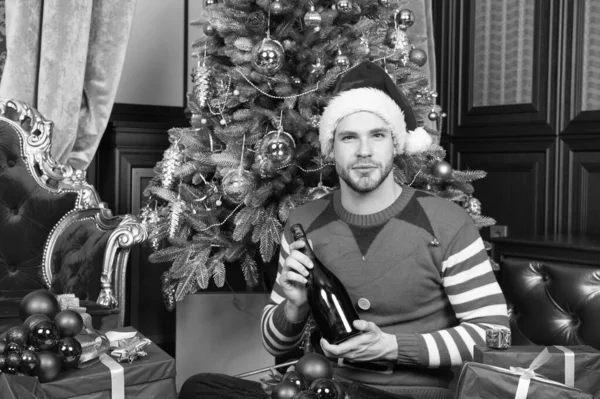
x=34 y=135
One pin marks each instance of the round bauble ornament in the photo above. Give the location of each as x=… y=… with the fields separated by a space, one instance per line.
x=296 y=378
x=268 y=56
x=13 y=360
x=209 y=30
x=69 y=323
x=318 y=192
x=285 y=390
x=296 y=81
x=40 y=301
x=18 y=335
x=341 y=60
x=405 y=18
x=12 y=347
x=2 y=345
x=312 y=18
x=277 y=7
x=443 y=170
x=433 y=116
x=48 y=367
x=313 y=366
x=278 y=147
x=418 y=57
x=343 y=5
x=473 y=206
x=29 y=361
x=325 y=388
x=44 y=335
x=384 y=3
x=10 y=370
x=237 y=184
x=2 y=362
x=210 y=2
x=34 y=319
x=69 y=350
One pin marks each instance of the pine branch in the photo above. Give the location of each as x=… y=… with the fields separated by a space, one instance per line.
x=165 y=254
x=250 y=271
x=218 y=273
x=244 y=220
x=483 y=221
x=185 y=287
x=226 y=160
x=270 y=234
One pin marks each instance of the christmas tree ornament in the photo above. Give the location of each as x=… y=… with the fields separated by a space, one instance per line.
x=69 y=350
x=69 y=323
x=44 y=335
x=277 y=7
x=237 y=184
x=343 y=6
x=307 y=394
x=49 y=366
x=2 y=346
x=341 y=60
x=153 y=219
x=398 y=40
x=10 y=370
x=168 y=287
x=209 y=30
x=17 y=335
x=256 y=22
x=384 y=3
x=325 y=388
x=13 y=360
x=405 y=18
x=418 y=57
x=2 y=362
x=313 y=366
x=268 y=56
x=210 y=2
x=442 y=170
x=285 y=390
x=296 y=378
x=312 y=19
x=177 y=209
x=318 y=192
x=202 y=88
x=317 y=69
x=296 y=81
x=433 y=115
x=29 y=361
x=236 y=92
x=12 y=347
x=278 y=147
x=172 y=160
x=39 y=302
x=473 y=206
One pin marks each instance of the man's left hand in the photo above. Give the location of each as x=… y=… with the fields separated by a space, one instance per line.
x=372 y=344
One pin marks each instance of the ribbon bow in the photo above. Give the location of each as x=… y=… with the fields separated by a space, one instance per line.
x=529 y=373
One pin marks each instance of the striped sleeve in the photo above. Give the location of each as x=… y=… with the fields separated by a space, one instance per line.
x=476 y=298
x=279 y=334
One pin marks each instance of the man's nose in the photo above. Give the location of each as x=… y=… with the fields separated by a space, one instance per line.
x=364 y=148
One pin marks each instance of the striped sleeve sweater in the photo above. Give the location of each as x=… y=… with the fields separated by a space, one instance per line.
x=421 y=264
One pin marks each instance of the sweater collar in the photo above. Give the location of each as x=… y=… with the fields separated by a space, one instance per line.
x=372 y=219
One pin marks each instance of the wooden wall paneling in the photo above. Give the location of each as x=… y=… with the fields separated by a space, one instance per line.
x=518 y=190
x=503 y=120
x=581 y=49
x=580 y=199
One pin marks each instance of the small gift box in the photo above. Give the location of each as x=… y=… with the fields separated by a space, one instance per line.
x=482 y=381
x=575 y=366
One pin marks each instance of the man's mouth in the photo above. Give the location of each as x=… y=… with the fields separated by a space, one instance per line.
x=364 y=167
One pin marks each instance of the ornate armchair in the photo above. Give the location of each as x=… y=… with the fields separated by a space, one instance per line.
x=54 y=231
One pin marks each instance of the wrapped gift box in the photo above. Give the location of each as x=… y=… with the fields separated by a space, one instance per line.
x=151 y=376
x=585 y=363
x=478 y=381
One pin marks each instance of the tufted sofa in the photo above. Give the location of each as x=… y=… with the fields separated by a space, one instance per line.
x=54 y=231
x=552 y=285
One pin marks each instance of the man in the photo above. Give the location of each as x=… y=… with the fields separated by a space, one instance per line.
x=415 y=261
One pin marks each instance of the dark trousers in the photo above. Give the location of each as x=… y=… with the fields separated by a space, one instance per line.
x=220 y=386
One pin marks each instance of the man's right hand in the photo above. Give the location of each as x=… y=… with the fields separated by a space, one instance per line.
x=293 y=275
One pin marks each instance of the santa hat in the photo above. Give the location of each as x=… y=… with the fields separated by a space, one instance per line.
x=368 y=88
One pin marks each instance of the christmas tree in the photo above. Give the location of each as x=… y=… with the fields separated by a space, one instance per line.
x=265 y=70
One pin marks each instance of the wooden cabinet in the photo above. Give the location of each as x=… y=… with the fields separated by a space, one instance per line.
x=132 y=145
x=520 y=82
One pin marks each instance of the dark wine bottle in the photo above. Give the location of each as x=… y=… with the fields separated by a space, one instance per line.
x=327 y=297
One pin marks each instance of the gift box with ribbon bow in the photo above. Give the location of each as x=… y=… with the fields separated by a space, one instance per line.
x=574 y=366
x=478 y=380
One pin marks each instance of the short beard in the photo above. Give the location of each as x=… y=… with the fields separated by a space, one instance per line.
x=345 y=176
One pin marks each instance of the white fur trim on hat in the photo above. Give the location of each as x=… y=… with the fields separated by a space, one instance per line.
x=366 y=99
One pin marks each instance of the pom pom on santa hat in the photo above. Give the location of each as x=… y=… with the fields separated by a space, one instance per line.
x=368 y=88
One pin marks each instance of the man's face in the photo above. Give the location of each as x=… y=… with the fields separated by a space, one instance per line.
x=363 y=150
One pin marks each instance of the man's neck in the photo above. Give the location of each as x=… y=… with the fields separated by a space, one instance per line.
x=372 y=202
